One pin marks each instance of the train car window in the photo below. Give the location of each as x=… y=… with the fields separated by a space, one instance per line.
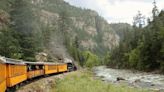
x=33 y=67
x=41 y=67
x=37 y=67
x=29 y=68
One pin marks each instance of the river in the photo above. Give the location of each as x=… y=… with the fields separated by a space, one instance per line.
x=135 y=79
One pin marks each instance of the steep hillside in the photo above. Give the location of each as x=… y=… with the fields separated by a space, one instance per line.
x=93 y=32
x=141 y=48
x=53 y=26
x=122 y=29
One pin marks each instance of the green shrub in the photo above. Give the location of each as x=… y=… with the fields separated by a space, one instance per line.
x=134 y=57
x=91 y=59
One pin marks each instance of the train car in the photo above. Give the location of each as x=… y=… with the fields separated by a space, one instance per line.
x=34 y=69
x=62 y=67
x=16 y=72
x=50 y=68
x=2 y=75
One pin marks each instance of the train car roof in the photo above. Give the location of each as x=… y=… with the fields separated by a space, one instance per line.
x=21 y=62
x=34 y=63
x=2 y=59
x=61 y=63
x=13 y=61
x=51 y=63
x=43 y=63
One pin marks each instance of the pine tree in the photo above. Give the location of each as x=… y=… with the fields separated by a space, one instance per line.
x=155 y=10
x=139 y=20
x=23 y=22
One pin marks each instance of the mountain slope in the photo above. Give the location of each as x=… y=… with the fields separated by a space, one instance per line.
x=50 y=25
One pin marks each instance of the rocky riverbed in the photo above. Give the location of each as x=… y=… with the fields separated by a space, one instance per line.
x=134 y=79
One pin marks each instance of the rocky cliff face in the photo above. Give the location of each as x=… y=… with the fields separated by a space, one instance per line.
x=93 y=32
x=56 y=18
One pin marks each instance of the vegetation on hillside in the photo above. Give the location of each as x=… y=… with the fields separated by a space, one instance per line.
x=28 y=27
x=141 y=48
x=19 y=37
x=54 y=27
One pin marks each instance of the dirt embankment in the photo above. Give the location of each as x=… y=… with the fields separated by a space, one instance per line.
x=42 y=85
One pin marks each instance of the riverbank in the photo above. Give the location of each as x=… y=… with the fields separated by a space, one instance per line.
x=78 y=81
x=131 y=78
x=84 y=81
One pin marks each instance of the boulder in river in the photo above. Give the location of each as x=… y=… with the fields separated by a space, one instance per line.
x=120 y=78
x=152 y=84
x=137 y=80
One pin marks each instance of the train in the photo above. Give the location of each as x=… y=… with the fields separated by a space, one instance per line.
x=14 y=72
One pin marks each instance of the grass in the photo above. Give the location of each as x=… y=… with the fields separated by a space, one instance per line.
x=83 y=81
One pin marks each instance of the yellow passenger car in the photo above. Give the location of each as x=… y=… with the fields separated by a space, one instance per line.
x=16 y=72
x=50 y=68
x=62 y=67
x=34 y=69
x=2 y=75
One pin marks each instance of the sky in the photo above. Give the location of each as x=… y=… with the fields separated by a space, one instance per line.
x=115 y=11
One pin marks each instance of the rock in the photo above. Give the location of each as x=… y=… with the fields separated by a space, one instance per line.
x=102 y=77
x=41 y=57
x=156 y=90
x=50 y=81
x=120 y=78
x=103 y=80
x=137 y=80
x=142 y=77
